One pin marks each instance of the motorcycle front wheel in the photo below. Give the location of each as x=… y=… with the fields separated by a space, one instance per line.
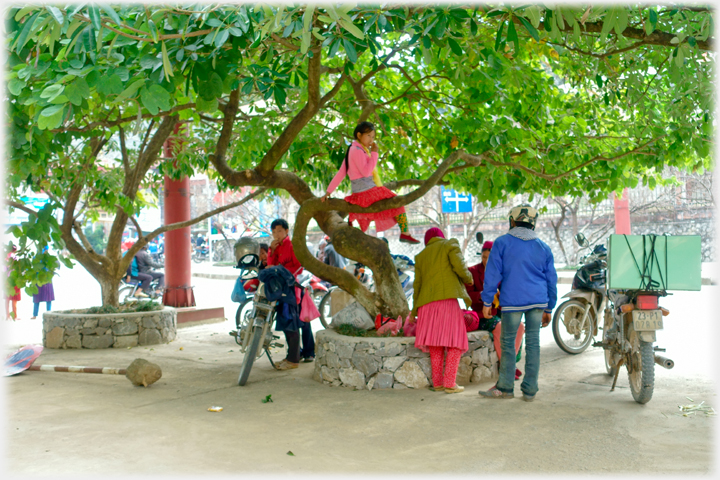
x=324 y=309
x=570 y=335
x=641 y=367
x=243 y=312
x=250 y=354
x=197 y=258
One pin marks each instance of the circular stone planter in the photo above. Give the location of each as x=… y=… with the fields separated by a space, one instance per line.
x=394 y=362
x=118 y=330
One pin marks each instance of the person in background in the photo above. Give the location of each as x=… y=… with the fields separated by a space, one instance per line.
x=493 y=323
x=440 y=273
x=525 y=266
x=320 y=255
x=146 y=273
x=45 y=293
x=333 y=258
x=16 y=297
x=281 y=253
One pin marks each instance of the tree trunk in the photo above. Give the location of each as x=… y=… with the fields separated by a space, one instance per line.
x=109 y=288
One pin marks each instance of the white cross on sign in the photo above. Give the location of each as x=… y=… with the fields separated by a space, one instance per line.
x=451 y=196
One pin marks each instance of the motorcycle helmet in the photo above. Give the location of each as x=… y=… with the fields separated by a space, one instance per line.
x=247 y=252
x=524 y=213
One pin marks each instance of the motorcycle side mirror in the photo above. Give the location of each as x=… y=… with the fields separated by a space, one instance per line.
x=581 y=240
x=479 y=237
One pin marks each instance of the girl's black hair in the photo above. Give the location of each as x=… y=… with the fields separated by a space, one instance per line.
x=363 y=127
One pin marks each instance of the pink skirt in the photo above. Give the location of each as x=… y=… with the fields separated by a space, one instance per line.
x=441 y=324
x=383 y=220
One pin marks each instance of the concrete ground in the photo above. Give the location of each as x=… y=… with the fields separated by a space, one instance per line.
x=65 y=423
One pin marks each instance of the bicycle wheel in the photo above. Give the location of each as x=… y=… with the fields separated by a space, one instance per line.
x=243 y=312
x=324 y=309
x=640 y=367
x=250 y=355
x=570 y=334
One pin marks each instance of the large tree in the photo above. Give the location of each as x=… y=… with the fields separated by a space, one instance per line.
x=492 y=100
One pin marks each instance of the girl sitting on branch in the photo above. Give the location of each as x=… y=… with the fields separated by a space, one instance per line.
x=360 y=161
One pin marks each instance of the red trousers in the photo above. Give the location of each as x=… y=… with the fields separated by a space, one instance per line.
x=444 y=379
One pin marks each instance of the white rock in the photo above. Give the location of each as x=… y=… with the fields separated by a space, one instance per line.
x=481 y=356
x=352 y=378
x=371 y=383
x=481 y=374
x=393 y=363
x=464 y=373
x=411 y=374
x=328 y=374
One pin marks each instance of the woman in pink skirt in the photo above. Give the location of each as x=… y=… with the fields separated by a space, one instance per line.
x=440 y=273
x=360 y=161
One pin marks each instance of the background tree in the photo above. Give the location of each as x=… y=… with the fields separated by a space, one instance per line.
x=494 y=101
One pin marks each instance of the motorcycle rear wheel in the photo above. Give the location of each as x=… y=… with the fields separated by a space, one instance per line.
x=197 y=258
x=566 y=317
x=125 y=293
x=250 y=355
x=641 y=368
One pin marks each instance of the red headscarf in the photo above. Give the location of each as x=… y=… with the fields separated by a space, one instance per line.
x=432 y=233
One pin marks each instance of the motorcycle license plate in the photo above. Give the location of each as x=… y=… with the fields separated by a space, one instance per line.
x=647 y=320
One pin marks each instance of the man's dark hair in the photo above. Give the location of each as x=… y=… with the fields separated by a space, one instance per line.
x=281 y=222
x=525 y=225
x=264 y=247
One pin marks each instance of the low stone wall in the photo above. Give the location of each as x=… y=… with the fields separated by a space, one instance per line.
x=394 y=362
x=117 y=330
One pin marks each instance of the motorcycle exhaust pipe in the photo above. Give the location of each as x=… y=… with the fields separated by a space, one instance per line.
x=664 y=362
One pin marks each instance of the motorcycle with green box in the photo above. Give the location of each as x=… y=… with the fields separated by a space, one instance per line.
x=641 y=270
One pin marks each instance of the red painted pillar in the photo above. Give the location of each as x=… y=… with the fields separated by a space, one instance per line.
x=178 y=291
x=622 y=214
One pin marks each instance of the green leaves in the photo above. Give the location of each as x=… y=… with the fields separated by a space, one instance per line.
x=155 y=99
x=49 y=93
x=77 y=90
x=350 y=50
x=51 y=117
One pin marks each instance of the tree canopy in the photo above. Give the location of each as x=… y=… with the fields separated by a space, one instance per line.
x=493 y=100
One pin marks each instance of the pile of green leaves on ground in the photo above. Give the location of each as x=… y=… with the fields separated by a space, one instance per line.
x=123 y=308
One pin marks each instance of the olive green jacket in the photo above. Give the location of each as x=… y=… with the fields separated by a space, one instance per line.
x=440 y=273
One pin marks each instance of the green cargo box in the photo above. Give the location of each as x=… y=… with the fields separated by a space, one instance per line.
x=667 y=262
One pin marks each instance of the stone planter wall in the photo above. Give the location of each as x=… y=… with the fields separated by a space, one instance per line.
x=118 y=330
x=394 y=362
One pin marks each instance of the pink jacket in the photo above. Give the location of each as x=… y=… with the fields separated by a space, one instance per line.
x=361 y=165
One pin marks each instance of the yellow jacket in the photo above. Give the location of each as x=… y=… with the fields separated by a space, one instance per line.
x=440 y=273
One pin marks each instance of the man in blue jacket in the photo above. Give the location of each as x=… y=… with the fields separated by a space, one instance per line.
x=525 y=266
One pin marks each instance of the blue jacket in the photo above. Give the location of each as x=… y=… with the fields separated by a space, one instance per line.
x=526 y=269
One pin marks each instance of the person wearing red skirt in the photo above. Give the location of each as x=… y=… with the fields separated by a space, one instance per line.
x=440 y=273
x=9 y=260
x=360 y=161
